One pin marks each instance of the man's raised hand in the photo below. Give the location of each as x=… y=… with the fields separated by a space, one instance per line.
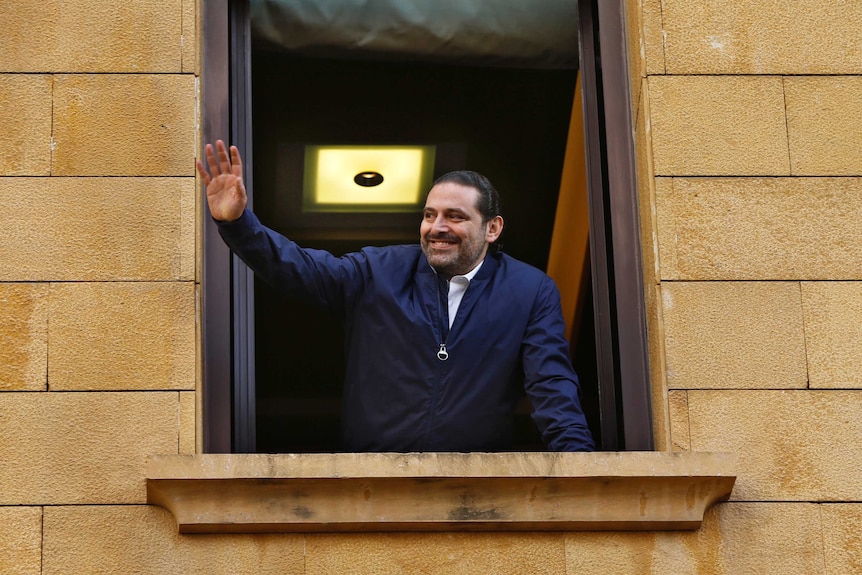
x=225 y=191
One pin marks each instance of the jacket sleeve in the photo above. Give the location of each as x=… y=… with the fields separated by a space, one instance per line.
x=549 y=379
x=315 y=276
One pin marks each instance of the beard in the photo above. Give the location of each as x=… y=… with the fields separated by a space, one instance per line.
x=458 y=261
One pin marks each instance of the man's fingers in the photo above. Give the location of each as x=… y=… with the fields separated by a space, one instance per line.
x=237 y=161
x=220 y=164
x=224 y=161
x=205 y=176
x=211 y=160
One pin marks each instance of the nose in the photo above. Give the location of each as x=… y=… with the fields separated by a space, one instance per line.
x=439 y=224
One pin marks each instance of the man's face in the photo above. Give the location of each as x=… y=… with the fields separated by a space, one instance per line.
x=452 y=233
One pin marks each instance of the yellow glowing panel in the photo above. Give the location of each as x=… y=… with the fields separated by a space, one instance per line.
x=331 y=173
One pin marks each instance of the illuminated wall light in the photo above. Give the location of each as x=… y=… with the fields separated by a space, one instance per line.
x=366 y=178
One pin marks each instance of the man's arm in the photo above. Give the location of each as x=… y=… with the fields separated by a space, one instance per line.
x=315 y=276
x=550 y=380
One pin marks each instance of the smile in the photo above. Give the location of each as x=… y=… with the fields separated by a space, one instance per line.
x=441 y=244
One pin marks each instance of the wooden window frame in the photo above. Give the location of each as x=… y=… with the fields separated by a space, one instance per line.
x=227 y=305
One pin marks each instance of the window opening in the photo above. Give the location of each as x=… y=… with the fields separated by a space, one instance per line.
x=527 y=235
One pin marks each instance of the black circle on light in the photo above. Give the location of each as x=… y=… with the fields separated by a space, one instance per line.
x=368 y=179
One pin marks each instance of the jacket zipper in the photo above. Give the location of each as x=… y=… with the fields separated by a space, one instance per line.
x=435 y=395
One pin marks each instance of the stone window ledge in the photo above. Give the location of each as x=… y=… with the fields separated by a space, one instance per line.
x=439 y=491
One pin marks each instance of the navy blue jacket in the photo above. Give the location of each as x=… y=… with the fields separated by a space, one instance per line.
x=398 y=395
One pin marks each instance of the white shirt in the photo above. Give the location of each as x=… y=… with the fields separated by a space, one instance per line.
x=457 y=288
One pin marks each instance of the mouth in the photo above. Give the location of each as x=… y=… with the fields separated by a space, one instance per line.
x=441 y=244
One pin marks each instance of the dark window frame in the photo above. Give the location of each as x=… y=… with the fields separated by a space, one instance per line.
x=227 y=306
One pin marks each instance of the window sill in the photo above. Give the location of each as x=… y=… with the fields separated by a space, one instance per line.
x=439 y=491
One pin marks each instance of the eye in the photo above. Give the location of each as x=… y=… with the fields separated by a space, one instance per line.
x=428 y=216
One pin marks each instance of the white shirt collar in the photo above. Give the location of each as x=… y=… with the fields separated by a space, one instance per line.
x=470 y=274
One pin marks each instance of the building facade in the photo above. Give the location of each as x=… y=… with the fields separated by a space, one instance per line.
x=748 y=136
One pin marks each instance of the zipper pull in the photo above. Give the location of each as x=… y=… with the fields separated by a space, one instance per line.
x=442 y=354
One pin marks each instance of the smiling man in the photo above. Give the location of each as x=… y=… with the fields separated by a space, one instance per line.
x=455 y=233
x=441 y=336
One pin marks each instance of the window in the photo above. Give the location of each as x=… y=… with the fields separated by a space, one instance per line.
x=233 y=379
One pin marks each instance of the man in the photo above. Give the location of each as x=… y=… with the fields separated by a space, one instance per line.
x=440 y=336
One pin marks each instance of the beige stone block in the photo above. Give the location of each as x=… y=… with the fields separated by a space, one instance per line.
x=735 y=538
x=824 y=124
x=800 y=445
x=678 y=414
x=190 y=38
x=20 y=540
x=96 y=229
x=725 y=335
x=144 y=540
x=833 y=333
x=90 y=36
x=635 y=56
x=763 y=37
x=74 y=448
x=199 y=376
x=431 y=553
x=121 y=336
x=189 y=231
x=25 y=114
x=646 y=189
x=637 y=98
x=124 y=125
x=634 y=31
x=23 y=337
x=650 y=260
x=653 y=37
x=198 y=231
x=842 y=537
x=665 y=223
x=187 y=423
x=718 y=125
x=657 y=369
x=761 y=228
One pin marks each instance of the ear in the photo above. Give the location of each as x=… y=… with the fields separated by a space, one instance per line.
x=494 y=229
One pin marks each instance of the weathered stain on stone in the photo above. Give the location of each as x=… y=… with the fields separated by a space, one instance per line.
x=464 y=513
x=470 y=511
x=302 y=512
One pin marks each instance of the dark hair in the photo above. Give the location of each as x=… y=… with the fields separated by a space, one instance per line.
x=489 y=199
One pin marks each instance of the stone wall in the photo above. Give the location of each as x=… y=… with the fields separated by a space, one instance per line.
x=97 y=269
x=749 y=148
x=749 y=137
